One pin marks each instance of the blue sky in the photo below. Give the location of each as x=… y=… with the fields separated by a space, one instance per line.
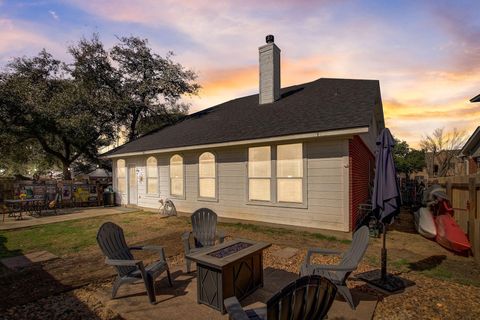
x=426 y=54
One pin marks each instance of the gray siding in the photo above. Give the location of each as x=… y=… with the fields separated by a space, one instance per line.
x=326 y=170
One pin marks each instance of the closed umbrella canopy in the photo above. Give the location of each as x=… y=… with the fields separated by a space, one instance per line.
x=385 y=205
x=386 y=193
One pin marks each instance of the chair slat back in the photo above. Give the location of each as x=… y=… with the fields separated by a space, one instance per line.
x=204 y=225
x=307 y=298
x=356 y=252
x=111 y=240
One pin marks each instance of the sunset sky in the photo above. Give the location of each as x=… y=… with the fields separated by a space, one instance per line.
x=426 y=54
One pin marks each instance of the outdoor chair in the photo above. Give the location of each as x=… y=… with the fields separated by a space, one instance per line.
x=111 y=240
x=204 y=225
x=339 y=274
x=307 y=298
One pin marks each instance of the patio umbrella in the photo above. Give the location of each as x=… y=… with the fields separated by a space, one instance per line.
x=385 y=205
x=386 y=193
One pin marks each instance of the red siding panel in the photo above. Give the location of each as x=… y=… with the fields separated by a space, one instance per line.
x=362 y=162
x=472 y=166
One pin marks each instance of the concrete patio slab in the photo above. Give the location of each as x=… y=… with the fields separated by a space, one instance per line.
x=180 y=301
x=62 y=215
x=27 y=259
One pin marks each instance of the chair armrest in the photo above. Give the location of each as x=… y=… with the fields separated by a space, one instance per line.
x=220 y=235
x=131 y=263
x=159 y=249
x=234 y=309
x=311 y=251
x=327 y=267
x=186 y=235
x=186 y=241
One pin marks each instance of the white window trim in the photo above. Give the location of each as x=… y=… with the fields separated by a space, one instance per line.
x=260 y=202
x=273 y=180
x=124 y=177
x=208 y=199
x=157 y=189
x=175 y=196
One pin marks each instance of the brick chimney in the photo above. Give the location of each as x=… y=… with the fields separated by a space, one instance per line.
x=269 y=56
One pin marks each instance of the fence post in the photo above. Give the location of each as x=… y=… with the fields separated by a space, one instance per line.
x=448 y=188
x=472 y=195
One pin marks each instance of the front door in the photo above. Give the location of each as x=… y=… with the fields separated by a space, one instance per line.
x=132 y=184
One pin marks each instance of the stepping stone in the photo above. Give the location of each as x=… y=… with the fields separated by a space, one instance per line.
x=285 y=253
x=27 y=259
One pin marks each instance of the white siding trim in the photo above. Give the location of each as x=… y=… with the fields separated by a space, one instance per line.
x=331 y=133
x=346 y=192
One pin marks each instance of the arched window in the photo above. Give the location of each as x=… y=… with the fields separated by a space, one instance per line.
x=152 y=176
x=121 y=176
x=207 y=175
x=176 y=175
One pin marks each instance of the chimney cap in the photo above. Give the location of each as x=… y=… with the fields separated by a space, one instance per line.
x=269 y=38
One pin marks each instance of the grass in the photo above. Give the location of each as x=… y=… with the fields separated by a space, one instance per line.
x=281 y=232
x=62 y=237
x=68 y=237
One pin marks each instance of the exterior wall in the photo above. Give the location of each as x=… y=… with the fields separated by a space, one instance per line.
x=472 y=166
x=326 y=180
x=456 y=167
x=362 y=163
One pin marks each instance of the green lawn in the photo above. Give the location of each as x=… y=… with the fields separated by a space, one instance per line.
x=282 y=231
x=73 y=236
x=63 y=237
x=68 y=237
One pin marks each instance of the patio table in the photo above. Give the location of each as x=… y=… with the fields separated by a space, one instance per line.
x=21 y=206
x=233 y=268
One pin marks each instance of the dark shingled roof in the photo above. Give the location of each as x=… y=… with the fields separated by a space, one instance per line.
x=475 y=99
x=322 y=105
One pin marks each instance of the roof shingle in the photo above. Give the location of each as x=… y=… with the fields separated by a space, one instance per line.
x=322 y=105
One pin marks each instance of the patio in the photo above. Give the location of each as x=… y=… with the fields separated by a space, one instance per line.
x=132 y=303
x=66 y=214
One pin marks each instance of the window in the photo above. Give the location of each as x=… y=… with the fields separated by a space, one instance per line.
x=176 y=175
x=121 y=176
x=259 y=173
x=152 y=176
x=290 y=173
x=206 y=175
x=286 y=183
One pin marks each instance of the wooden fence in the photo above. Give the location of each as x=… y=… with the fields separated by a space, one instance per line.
x=464 y=192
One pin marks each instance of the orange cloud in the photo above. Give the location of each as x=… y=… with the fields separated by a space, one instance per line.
x=217 y=81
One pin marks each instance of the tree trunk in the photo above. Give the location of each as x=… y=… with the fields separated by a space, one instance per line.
x=133 y=127
x=67 y=175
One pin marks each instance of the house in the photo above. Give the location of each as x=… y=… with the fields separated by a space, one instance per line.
x=300 y=156
x=475 y=99
x=470 y=153
x=443 y=163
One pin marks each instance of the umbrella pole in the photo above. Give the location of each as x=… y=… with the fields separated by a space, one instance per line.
x=384 y=253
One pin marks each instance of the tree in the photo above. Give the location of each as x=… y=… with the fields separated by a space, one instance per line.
x=66 y=110
x=442 y=147
x=22 y=159
x=151 y=85
x=407 y=160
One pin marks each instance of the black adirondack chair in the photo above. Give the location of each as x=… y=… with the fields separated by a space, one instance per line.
x=307 y=298
x=111 y=240
x=339 y=274
x=204 y=225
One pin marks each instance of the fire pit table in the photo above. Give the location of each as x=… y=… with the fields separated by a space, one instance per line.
x=234 y=268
